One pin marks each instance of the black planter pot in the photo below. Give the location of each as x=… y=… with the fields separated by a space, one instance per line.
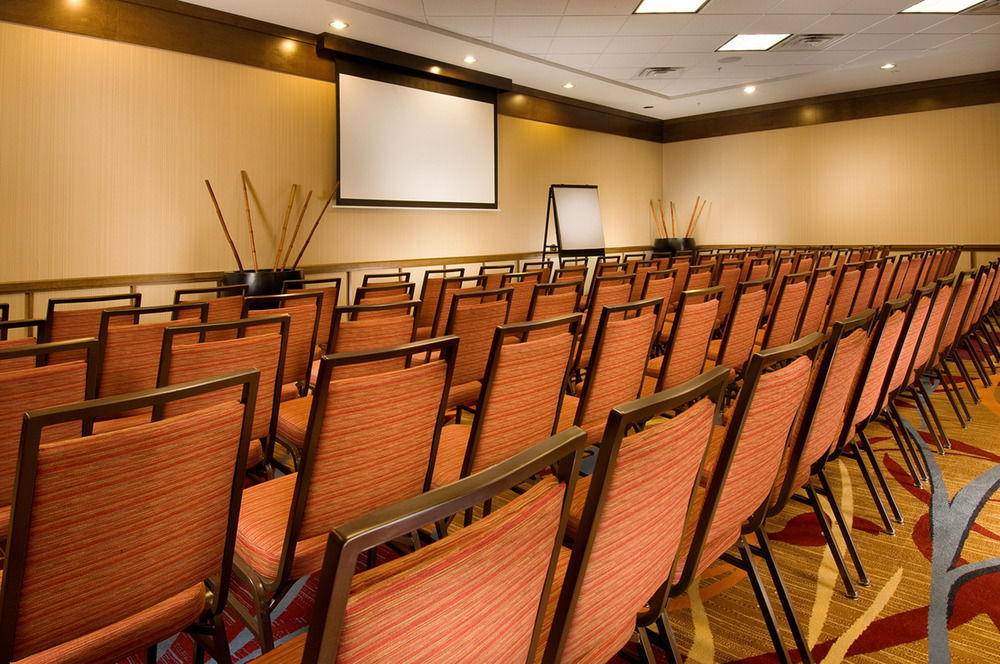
x=672 y=245
x=261 y=282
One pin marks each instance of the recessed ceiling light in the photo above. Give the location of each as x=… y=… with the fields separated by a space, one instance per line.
x=888 y=66
x=752 y=42
x=337 y=24
x=567 y=85
x=469 y=59
x=750 y=89
x=940 y=6
x=647 y=107
x=669 y=6
x=435 y=69
x=288 y=46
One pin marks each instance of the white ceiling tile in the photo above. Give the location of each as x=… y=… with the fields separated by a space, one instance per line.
x=458 y=7
x=844 y=23
x=808 y=6
x=831 y=57
x=472 y=26
x=978 y=40
x=530 y=7
x=888 y=55
x=921 y=41
x=531 y=45
x=904 y=24
x=408 y=8
x=719 y=24
x=739 y=6
x=960 y=25
x=579 y=44
x=525 y=26
x=874 y=6
x=582 y=61
x=589 y=26
x=862 y=42
x=636 y=44
x=781 y=23
x=695 y=43
x=655 y=24
x=615 y=73
x=637 y=60
x=608 y=7
x=992 y=29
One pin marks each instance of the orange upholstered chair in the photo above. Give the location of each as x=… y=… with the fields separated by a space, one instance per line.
x=759 y=268
x=522 y=285
x=30 y=387
x=520 y=398
x=156 y=542
x=899 y=276
x=494 y=275
x=848 y=280
x=303 y=307
x=430 y=296
x=630 y=522
x=450 y=287
x=604 y=291
x=261 y=345
x=224 y=303
x=625 y=336
x=557 y=298
x=79 y=317
x=397 y=609
x=881 y=295
x=699 y=276
x=570 y=273
x=31 y=329
x=780 y=268
x=473 y=318
x=604 y=268
x=373 y=278
x=870 y=276
x=687 y=343
x=736 y=346
x=741 y=470
x=545 y=267
x=681 y=264
x=817 y=295
x=284 y=522
x=331 y=298
x=659 y=283
x=728 y=278
x=963 y=287
x=816 y=433
x=783 y=319
x=380 y=293
x=640 y=268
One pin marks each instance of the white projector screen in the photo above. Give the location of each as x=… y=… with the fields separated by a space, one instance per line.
x=408 y=147
x=577 y=213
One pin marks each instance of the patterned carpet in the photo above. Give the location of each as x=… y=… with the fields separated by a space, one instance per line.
x=935 y=584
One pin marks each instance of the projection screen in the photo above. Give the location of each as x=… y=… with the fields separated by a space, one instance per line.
x=405 y=146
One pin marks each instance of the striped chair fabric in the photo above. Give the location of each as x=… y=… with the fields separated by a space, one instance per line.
x=473 y=322
x=545 y=267
x=64 y=324
x=522 y=285
x=729 y=278
x=843 y=294
x=881 y=295
x=659 y=283
x=758 y=271
x=430 y=295
x=130 y=357
x=16 y=363
x=550 y=301
x=605 y=291
x=640 y=271
x=682 y=265
x=905 y=355
x=820 y=286
x=168 y=513
x=866 y=287
x=872 y=386
x=909 y=283
x=898 y=276
x=453 y=287
x=220 y=307
x=331 y=298
x=370 y=300
x=699 y=276
x=960 y=303
x=376 y=279
x=494 y=275
x=688 y=346
x=785 y=315
x=353 y=331
x=783 y=268
x=736 y=346
x=301 y=340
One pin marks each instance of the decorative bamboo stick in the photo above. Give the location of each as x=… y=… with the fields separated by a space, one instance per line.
x=295 y=233
x=284 y=227
x=696 y=219
x=225 y=229
x=656 y=222
x=320 y=217
x=663 y=217
x=246 y=202
x=691 y=221
x=673 y=218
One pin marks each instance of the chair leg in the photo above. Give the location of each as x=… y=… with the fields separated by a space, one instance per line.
x=838 y=559
x=151 y=655
x=898 y=438
x=920 y=392
x=911 y=443
x=925 y=415
x=845 y=528
x=220 y=642
x=952 y=400
x=786 y=602
x=877 y=469
x=745 y=562
x=973 y=392
x=977 y=364
x=987 y=348
x=646 y=655
x=667 y=641
x=259 y=623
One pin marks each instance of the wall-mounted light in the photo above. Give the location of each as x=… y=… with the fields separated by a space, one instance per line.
x=337 y=24
x=750 y=89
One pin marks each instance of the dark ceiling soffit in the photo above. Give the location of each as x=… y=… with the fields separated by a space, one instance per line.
x=334 y=46
x=969 y=90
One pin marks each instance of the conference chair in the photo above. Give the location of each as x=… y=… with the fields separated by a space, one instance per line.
x=971 y=327
x=102 y=564
x=898 y=276
x=963 y=286
x=522 y=285
x=373 y=278
x=881 y=295
x=727 y=277
x=781 y=266
x=824 y=258
x=681 y=264
x=628 y=522
x=741 y=469
x=608 y=267
x=815 y=434
x=574 y=261
x=224 y=303
x=554 y=299
x=624 y=339
x=430 y=295
x=303 y=307
x=31 y=329
x=450 y=287
x=870 y=276
x=784 y=316
x=640 y=268
x=342 y=475
x=79 y=317
x=494 y=274
x=473 y=318
x=380 y=293
x=604 y=291
x=818 y=294
x=699 y=276
x=659 y=284
x=544 y=266
x=848 y=279
x=913 y=272
x=33 y=385
x=398 y=609
x=736 y=346
x=520 y=399
x=759 y=269
x=687 y=344
x=570 y=273
x=331 y=298
x=804 y=261
x=260 y=343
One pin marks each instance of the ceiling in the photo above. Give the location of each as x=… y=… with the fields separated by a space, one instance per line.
x=601 y=47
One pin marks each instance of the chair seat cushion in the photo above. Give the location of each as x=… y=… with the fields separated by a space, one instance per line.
x=118 y=423
x=654 y=365
x=122 y=638
x=465 y=394
x=594 y=430
x=289 y=391
x=261 y=531
x=292 y=419
x=423 y=333
x=713 y=350
x=450 y=454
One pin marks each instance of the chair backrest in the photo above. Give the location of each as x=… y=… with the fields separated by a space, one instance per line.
x=881 y=295
x=450 y=287
x=741 y=327
x=261 y=345
x=80 y=317
x=381 y=293
x=848 y=279
x=14 y=362
x=913 y=272
x=573 y=261
x=817 y=429
x=964 y=283
x=899 y=276
x=759 y=269
x=872 y=272
x=744 y=466
x=545 y=267
x=402 y=605
x=430 y=293
x=523 y=286
x=681 y=264
x=343 y=475
x=494 y=274
x=36 y=387
x=604 y=291
x=552 y=300
x=931 y=336
x=356 y=329
x=640 y=268
x=804 y=261
x=570 y=273
x=473 y=318
x=129 y=354
x=906 y=347
x=659 y=283
x=522 y=390
x=782 y=267
x=820 y=286
x=787 y=310
x=303 y=307
x=624 y=339
x=699 y=276
x=224 y=303
x=607 y=267
x=824 y=258
x=67 y=516
x=331 y=297
x=631 y=527
x=385 y=278
x=687 y=346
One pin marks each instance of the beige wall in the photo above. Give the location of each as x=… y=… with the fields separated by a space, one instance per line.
x=927 y=177
x=105 y=147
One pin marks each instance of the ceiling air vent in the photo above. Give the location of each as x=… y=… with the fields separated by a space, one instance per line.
x=988 y=7
x=808 y=42
x=658 y=72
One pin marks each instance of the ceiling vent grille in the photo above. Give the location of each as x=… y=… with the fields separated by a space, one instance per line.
x=808 y=42
x=658 y=72
x=988 y=7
